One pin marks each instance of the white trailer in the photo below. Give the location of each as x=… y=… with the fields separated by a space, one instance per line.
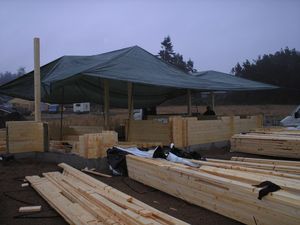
x=83 y=107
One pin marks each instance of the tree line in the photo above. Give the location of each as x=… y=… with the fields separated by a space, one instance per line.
x=281 y=69
x=8 y=76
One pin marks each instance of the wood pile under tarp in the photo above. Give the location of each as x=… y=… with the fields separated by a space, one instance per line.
x=272 y=143
x=227 y=191
x=81 y=199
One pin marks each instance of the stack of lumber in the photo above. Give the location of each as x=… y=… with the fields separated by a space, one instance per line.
x=81 y=199
x=225 y=190
x=279 y=143
x=2 y=140
x=148 y=131
x=95 y=145
x=26 y=136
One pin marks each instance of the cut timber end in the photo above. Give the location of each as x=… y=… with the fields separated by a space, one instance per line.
x=25 y=209
x=25 y=185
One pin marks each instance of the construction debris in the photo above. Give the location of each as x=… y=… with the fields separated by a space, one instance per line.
x=27 y=209
x=280 y=144
x=24 y=185
x=227 y=191
x=81 y=199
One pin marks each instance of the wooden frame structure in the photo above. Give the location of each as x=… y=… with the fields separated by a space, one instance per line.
x=189 y=131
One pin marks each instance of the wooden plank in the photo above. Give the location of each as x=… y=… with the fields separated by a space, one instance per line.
x=267 y=161
x=26 y=209
x=95 y=173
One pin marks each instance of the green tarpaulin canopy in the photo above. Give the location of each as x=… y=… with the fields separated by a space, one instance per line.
x=71 y=79
x=244 y=84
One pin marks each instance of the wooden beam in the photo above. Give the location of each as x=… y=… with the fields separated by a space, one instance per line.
x=37 y=80
x=189 y=102
x=130 y=100
x=106 y=104
x=130 y=108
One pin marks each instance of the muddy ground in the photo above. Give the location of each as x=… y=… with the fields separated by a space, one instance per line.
x=13 y=196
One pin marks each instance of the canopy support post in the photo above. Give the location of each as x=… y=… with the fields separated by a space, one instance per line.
x=212 y=94
x=62 y=114
x=189 y=102
x=37 y=81
x=106 y=104
x=130 y=107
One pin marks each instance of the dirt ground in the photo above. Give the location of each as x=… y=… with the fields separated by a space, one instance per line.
x=13 y=196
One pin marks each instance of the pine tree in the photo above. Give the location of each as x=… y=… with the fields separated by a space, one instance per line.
x=167 y=54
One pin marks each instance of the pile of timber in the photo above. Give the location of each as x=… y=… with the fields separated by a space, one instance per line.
x=2 y=140
x=27 y=136
x=272 y=143
x=81 y=199
x=225 y=188
x=95 y=145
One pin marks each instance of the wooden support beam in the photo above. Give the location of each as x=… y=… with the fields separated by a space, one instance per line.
x=130 y=108
x=130 y=100
x=106 y=104
x=189 y=102
x=37 y=80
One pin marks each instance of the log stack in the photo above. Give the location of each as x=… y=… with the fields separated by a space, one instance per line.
x=95 y=145
x=280 y=144
x=222 y=189
x=81 y=199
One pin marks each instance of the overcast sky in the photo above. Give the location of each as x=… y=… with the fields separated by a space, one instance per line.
x=214 y=34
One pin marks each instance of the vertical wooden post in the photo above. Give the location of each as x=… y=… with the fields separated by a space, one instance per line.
x=37 y=80
x=212 y=100
x=189 y=102
x=106 y=104
x=62 y=113
x=130 y=101
x=130 y=108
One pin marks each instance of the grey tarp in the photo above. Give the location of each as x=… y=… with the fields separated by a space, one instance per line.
x=72 y=79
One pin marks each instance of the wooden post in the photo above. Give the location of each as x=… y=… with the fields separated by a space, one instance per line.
x=130 y=101
x=62 y=113
x=37 y=80
x=189 y=102
x=106 y=104
x=130 y=108
x=212 y=100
